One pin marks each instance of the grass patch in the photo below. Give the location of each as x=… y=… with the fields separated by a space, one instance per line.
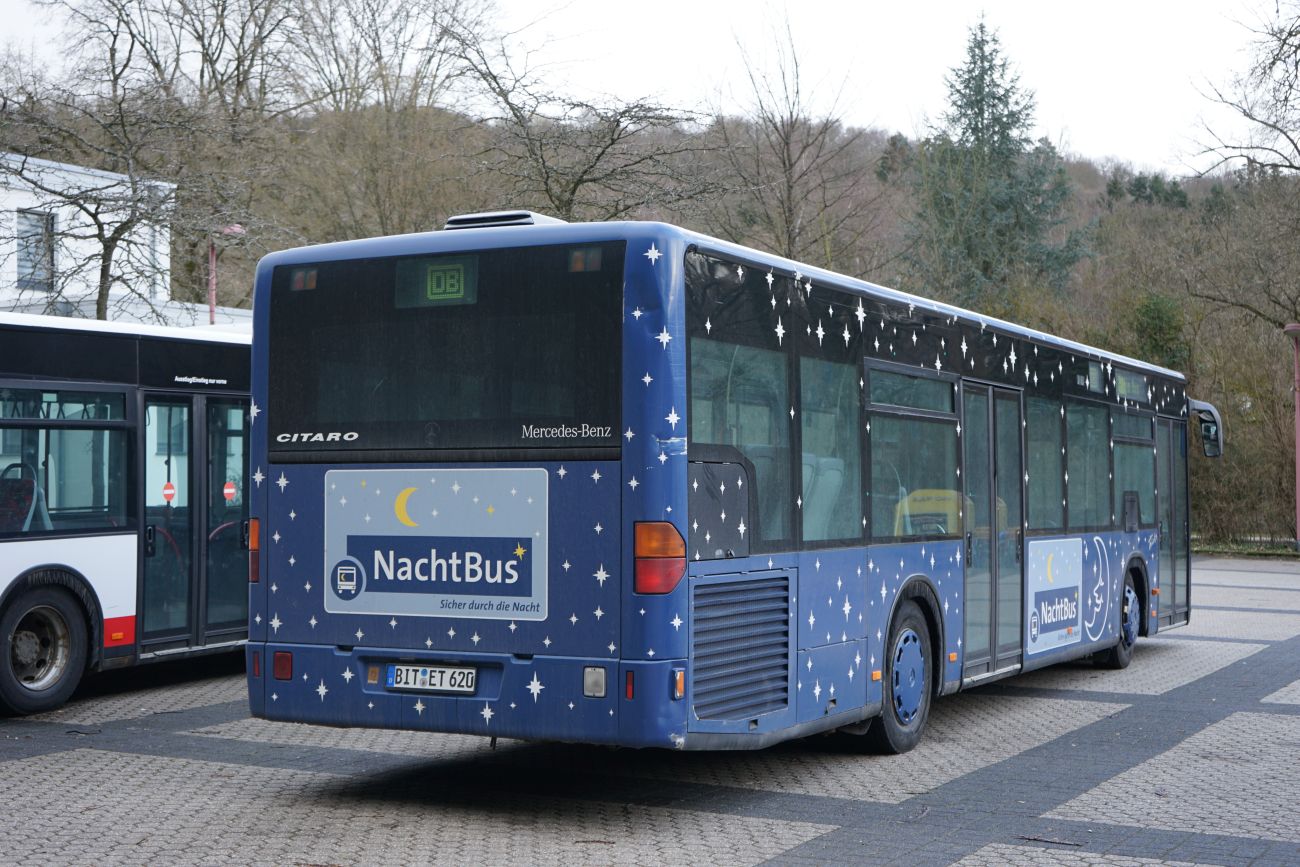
x=1284 y=550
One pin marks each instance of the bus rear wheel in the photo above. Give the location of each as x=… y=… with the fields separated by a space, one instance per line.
x=1130 y=620
x=907 y=684
x=44 y=646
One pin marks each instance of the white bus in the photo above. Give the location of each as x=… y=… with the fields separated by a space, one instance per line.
x=122 y=505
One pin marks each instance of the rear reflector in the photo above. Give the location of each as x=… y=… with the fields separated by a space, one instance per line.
x=257 y=663
x=254 y=546
x=629 y=689
x=659 y=576
x=282 y=667
x=660 y=553
x=593 y=681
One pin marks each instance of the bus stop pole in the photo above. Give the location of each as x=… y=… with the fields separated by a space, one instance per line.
x=1293 y=331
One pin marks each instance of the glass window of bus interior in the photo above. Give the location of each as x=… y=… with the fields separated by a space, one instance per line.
x=1044 y=457
x=737 y=396
x=461 y=351
x=1135 y=460
x=830 y=414
x=64 y=462
x=1088 y=464
x=915 y=491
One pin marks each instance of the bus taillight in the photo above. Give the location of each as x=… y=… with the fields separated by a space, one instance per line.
x=660 y=555
x=254 y=546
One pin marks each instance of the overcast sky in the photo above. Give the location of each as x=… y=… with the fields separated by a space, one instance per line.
x=1111 y=79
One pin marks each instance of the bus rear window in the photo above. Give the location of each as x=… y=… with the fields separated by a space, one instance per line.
x=507 y=348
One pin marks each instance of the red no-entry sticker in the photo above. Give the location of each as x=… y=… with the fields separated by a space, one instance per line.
x=229 y=491
x=169 y=492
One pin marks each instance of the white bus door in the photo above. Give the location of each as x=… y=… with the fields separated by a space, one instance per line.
x=193 y=577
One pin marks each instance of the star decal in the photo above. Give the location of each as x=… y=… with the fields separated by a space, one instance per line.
x=601 y=575
x=486 y=713
x=672 y=418
x=258 y=477
x=535 y=687
x=677 y=622
x=282 y=482
x=664 y=337
x=653 y=254
x=321 y=690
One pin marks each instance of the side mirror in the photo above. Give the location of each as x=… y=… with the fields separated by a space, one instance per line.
x=1211 y=427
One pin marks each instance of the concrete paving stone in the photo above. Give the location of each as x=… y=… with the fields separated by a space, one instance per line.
x=997 y=854
x=966 y=732
x=1220 y=781
x=393 y=743
x=1289 y=694
x=1257 y=626
x=1245 y=597
x=139 y=808
x=146 y=702
x=1159 y=665
x=1260 y=573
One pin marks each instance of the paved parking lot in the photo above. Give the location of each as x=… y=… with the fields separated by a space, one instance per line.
x=1191 y=756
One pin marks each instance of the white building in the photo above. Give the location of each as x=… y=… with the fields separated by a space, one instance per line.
x=50 y=257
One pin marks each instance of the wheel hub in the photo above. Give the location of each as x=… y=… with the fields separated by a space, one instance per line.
x=26 y=648
x=909 y=676
x=41 y=648
x=1129 y=618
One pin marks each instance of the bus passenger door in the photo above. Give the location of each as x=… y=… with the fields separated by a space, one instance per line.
x=1171 y=488
x=225 y=575
x=194 y=580
x=993 y=468
x=167 y=598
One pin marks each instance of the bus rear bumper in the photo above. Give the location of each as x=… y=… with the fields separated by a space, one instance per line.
x=532 y=698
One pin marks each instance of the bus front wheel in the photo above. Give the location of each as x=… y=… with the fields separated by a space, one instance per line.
x=907 y=683
x=44 y=646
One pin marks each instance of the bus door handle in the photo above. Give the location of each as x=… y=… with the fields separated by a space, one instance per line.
x=1020 y=542
x=970 y=547
x=150 y=533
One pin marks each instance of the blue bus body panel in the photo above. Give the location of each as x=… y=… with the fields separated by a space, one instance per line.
x=531 y=671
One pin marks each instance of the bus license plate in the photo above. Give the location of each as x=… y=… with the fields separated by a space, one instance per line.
x=434 y=678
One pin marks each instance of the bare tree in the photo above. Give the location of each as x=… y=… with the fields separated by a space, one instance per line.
x=800 y=183
x=576 y=158
x=1267 y=97
x=102 y=115
x=380 y=151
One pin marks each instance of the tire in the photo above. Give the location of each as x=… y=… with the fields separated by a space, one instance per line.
x=43 y=645
x=908 y=689
x=1130 y=620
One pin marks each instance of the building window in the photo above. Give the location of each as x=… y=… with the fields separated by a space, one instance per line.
x=36 y=251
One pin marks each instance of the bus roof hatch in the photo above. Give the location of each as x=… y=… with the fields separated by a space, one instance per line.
x=500 y=218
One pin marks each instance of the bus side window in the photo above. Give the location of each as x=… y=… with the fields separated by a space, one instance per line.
x=737 y=396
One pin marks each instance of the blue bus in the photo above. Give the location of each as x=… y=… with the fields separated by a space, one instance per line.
x=623 y=483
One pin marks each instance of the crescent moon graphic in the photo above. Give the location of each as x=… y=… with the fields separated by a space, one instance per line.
x=1049 y=567
x=399 y=507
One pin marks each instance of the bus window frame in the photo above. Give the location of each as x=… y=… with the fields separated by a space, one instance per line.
x=1149 y=442
x=1071 y=528
x=870 y=408
x=128 y=423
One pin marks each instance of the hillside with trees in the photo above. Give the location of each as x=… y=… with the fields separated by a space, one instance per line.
x=307 y=121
